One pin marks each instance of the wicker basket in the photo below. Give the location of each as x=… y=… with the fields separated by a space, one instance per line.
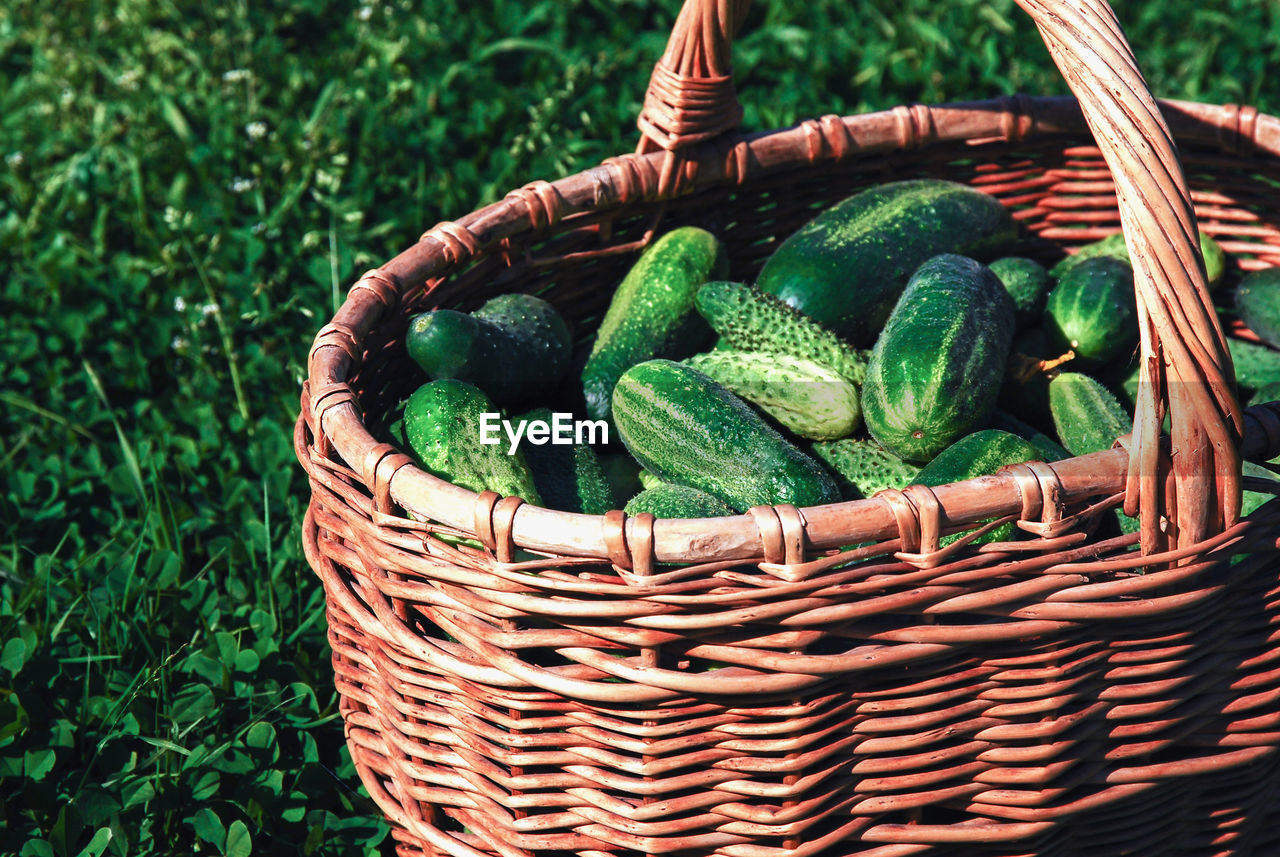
x=737 y=686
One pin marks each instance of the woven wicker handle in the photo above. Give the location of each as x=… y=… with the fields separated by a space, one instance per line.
x=1186 y=367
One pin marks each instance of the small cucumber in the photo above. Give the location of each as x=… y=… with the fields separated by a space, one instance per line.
x=979 y=454
x=651 y=314
x=686 y=428
x=569 y=477
x=648 y=480
x=846 y=267
x=1028 y=284
x=863 y=467
x=750 y=320
x=1215 y=259
x=677 y=501
x=804 y=397
x=1024 y=392
x=1087 y=416
x=1256 y=366
x=514 y=347
x=1048 y=448
x=1258 y=304
x=937 y=367
x=1093 y=312
x=442 y=422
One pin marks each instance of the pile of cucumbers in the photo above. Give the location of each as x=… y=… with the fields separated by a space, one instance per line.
x=897 y=338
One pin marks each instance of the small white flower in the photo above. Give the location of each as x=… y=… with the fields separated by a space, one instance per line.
x=128 y=79
x=256 y=130
x=365 y=13
x=259 y=228
x=67 y=95
x=179 y=343
x=179 y=304
x=236 y=75
x=207 y=310
x=241 y=184
x=14 y=159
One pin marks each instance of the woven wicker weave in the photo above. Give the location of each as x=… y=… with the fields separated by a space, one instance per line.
x=735 y=686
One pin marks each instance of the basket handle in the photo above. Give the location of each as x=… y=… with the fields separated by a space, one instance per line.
x=1187 y=371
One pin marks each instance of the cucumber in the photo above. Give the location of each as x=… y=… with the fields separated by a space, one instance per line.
x=863 y=467
x=442 y=422
x=1087 y=416
x=677 y=501
x=1256 y=366
x=750 y=320
x=515 y=347
x=1028 y=284
x=1024 y=392
x=623 y=473
x=1265 y=394
x=937 y=367
x=1258 y=304
x=846 y=267
x=569 y=477
x=1047 y=448
x=685 y=428
x=648 y=480
x=1215 y=259
x=1093 y=312
x=802 y=396
x=651 y=314
x=979 y=454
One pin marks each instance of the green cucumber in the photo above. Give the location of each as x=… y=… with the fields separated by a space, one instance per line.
x=1215 y=259
x=648 y=480
x=1048 y=448
x=863 y=467
x=1093 y=312
x=1258 y=304
x=1088 y=418
x=623 y=473
x=979 y=454
x=1024 y=392
x=1028 y=284
x=846 y=267
x=1256 y=366
x=442 y=422
x=651 y=314
x=569 y=477
x=685 y=428
x=804 y=397
x=1265 y=394
x=937 y=367
x=750 y=320
x=676 y=501
x=514 y=347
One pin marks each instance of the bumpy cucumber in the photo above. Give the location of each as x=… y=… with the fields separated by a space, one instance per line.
x=1258 y=304
x=686 y=428
x=937 y=367
x=651 y=314
x=442 y=422
x=863 y=467
x=1256 y=366
x=1028 y=284
x=1048 y=448
x=750 y=320
x=1215 y=259
x=1086 y=415
x=515 y=347
x=804 y=397
x=676 y=501
x=847 y=266
x=1092 y=311
x=568 y=476
x=979 y=454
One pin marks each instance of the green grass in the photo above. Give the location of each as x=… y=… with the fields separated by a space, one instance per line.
x=187 y=191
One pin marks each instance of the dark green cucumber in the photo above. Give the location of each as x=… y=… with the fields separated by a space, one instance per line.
x=1258 y=304
x=515 y=347
x=1048 y=448
x=651 y=314
x=937 y=367
x=685 y=428
x=623 y=473
x=1024 y=392
x=863 y=467
x=846 y=267
x=1093 y=312
x=979 y=454
x=804 y=397
x=568 y=476
x=1087 y=416
x=1028 y=284
x=442 y=421
x=750 y=320
x=1215 y=259
x=1256 y=366
x=677 y=501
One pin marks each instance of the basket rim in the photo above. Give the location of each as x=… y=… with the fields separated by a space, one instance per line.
x=329 y=404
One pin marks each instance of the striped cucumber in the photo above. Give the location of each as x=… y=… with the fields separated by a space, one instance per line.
x=979 y=454
x=569 y=477
x=937 y=367
x=1258 y=304
x=1093 y=312
x=1089 y=419
x=847 y=267
x=1028 y=284
x=1215 y=258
